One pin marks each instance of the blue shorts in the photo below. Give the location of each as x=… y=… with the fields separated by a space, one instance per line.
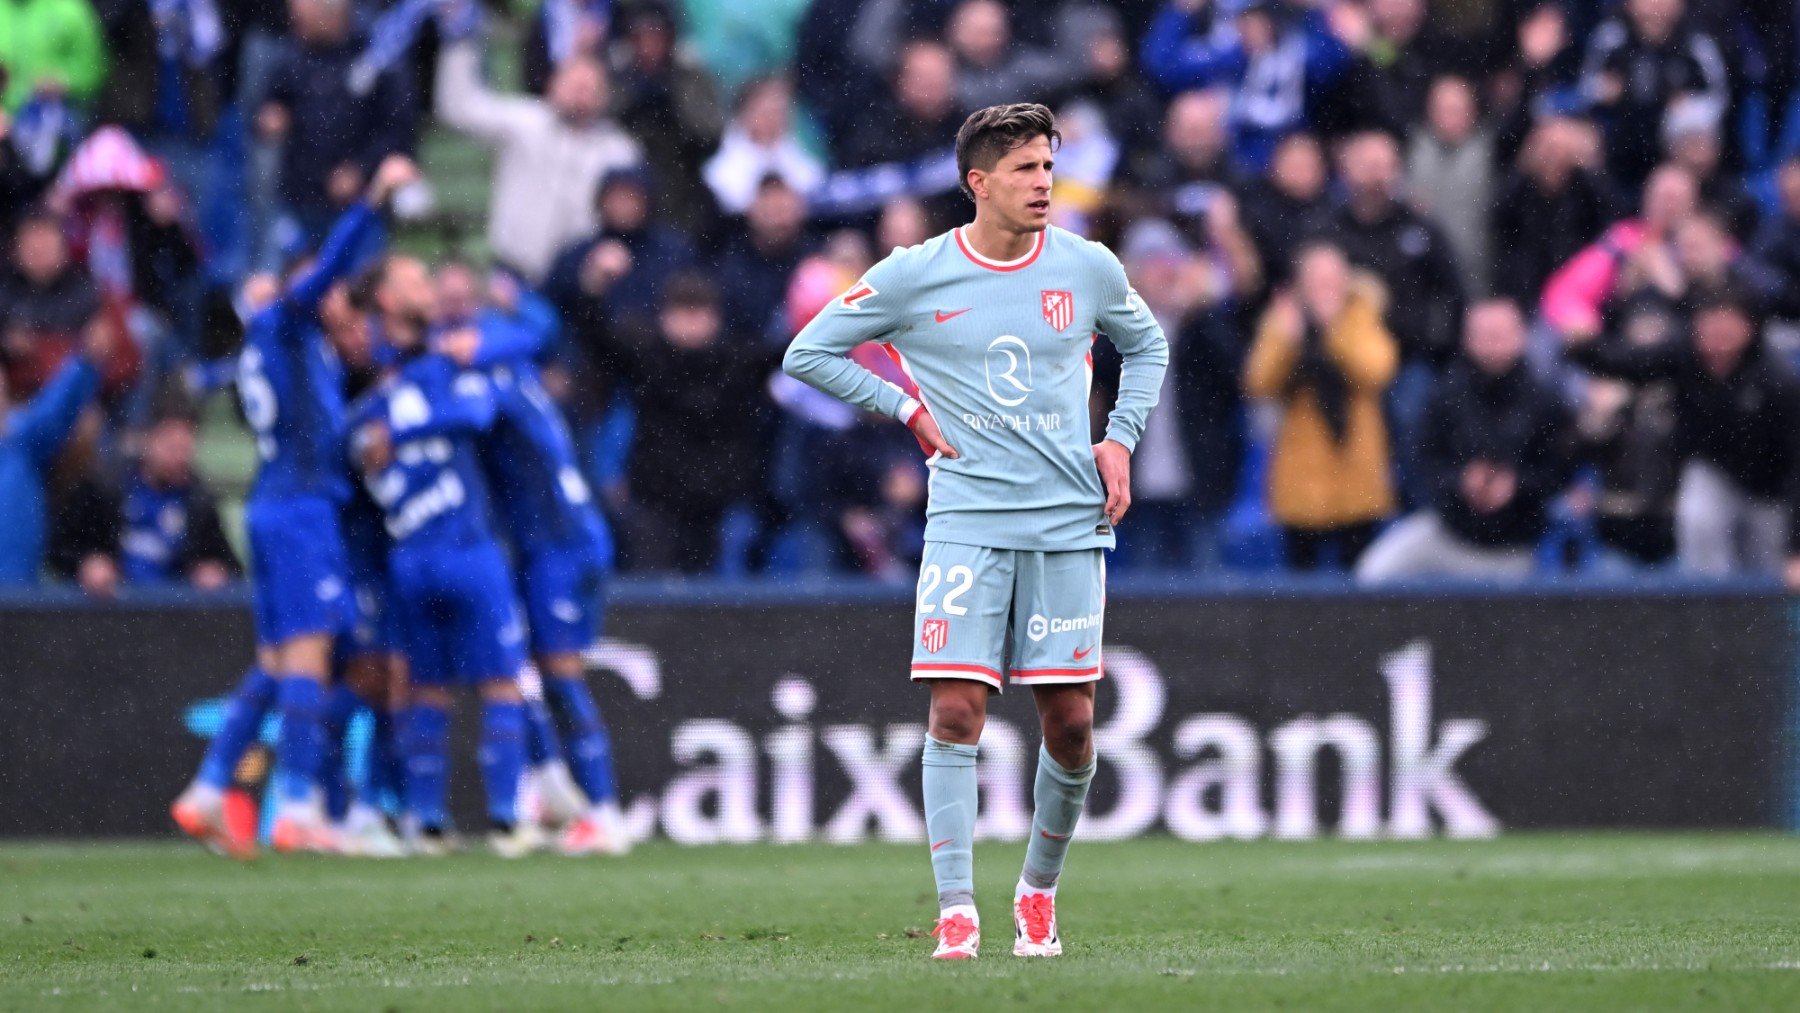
x=455 y=612
x=373 y=626
x=561 y=587
x=301 y=582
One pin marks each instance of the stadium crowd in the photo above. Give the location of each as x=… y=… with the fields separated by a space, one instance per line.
x=1493 y=289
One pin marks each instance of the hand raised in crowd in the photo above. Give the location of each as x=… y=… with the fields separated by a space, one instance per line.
x=460 y=345
x=394 y=172
x=1288 y=320
x=344 y=183
x=605 y=264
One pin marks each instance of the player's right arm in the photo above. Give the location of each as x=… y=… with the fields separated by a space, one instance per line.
x=342 y=248
x=873 y=309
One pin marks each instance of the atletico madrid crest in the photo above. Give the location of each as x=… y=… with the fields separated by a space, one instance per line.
x=1059 y=308
x=935 y=635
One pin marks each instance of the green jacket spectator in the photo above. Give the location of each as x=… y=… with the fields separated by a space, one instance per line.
x=50 y=42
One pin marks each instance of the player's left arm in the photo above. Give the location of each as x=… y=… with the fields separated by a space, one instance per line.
x=1133 y=330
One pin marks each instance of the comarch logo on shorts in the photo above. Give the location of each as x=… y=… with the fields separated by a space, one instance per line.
x=1211 y=776
x=1038 y=627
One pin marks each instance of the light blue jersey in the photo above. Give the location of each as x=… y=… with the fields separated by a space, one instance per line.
x=1002 y=356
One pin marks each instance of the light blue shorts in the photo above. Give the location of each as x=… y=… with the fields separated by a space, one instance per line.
x=1036 y=616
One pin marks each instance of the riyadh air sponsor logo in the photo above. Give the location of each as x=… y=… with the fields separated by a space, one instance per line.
x=1008 y=371
x=1038 y=626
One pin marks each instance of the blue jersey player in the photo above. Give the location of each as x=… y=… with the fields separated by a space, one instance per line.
x=414 y=439
x=562 y=547
x=290 y=383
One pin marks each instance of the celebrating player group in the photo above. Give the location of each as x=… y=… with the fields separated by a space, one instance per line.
x=994 y=322
x=415 y=540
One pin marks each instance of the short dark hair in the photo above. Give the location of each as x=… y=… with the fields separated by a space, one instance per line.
x=690 y=290
x=988 y=134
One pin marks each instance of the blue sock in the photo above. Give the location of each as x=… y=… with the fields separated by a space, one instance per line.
x=541 y=742
x=301 y=749
x=951 y=792
x=502 y=758
x=590 y=748
x=381 y=782
x=1057 y=797
x=340 y=706
x=425 y=743
x=244 y=715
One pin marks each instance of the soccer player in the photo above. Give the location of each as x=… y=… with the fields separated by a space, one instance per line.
x=291 y=385
x=414 y=438
x=994 y=321
x=562 y=548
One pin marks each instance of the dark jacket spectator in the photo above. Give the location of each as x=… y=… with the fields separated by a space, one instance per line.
x=992 y=67
x=47 y=301
x=1131 y=110
x=697 y=388
x=1637 y=63
x=1403 y=249
x=1548 y=209
x=1288 y=206
x=1778 y=248
x=1507 y=421
x=1195 y=163
x=669 y=103
x=165 y=79
x=755 y=266
x=1737 y=413
x=335 y=127
x=917 y=118
x=161 y=527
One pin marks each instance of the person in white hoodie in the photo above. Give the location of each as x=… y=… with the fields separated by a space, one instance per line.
x=550 y=153
x=760 y=142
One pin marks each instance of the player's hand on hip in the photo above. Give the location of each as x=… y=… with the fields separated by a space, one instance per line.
x=1114 y=463
x=931 y=438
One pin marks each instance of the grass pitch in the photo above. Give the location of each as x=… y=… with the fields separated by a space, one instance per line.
x=1526 y=922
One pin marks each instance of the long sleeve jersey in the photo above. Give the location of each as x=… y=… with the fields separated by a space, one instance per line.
x=1002 y=356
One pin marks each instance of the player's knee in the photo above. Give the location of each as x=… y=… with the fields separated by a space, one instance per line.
x=1069 y=731
x=957 y=716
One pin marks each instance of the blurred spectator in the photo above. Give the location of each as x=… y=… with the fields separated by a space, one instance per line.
x=1185 y=464
x=1450 y=176
x=1195 y=165
x=47 y=303
x=1737 y=435
x=551 y=153
x=334 y=120
x=992 y=68
x=1324 y=356
x=1778 y=247
x=1406 y=251
x=161 y=527
x=918 y=117
x=903 y=223
x=1530 y=85
x=1132 y=113
x=758 y=261
x=166 y=78
x=1401 y=55
x=32 y=434
x=1627 y=430
x=1270 y=56
x=1694 y=141
x=1497 y=446
x=563 y=30
x=1550 y=206
x=832 y=82
x=690 y=462
x=1577 y=293
x=1638 y=62
x=1288 y=205
x=50 y=46
x=669 y=103
x=760 y=142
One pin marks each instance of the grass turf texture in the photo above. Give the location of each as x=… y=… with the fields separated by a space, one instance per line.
x=1528 y=921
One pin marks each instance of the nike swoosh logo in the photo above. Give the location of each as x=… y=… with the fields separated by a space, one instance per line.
x=941 y=843
x=1084 y=652
x=942 y=316
x=1048 y=836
